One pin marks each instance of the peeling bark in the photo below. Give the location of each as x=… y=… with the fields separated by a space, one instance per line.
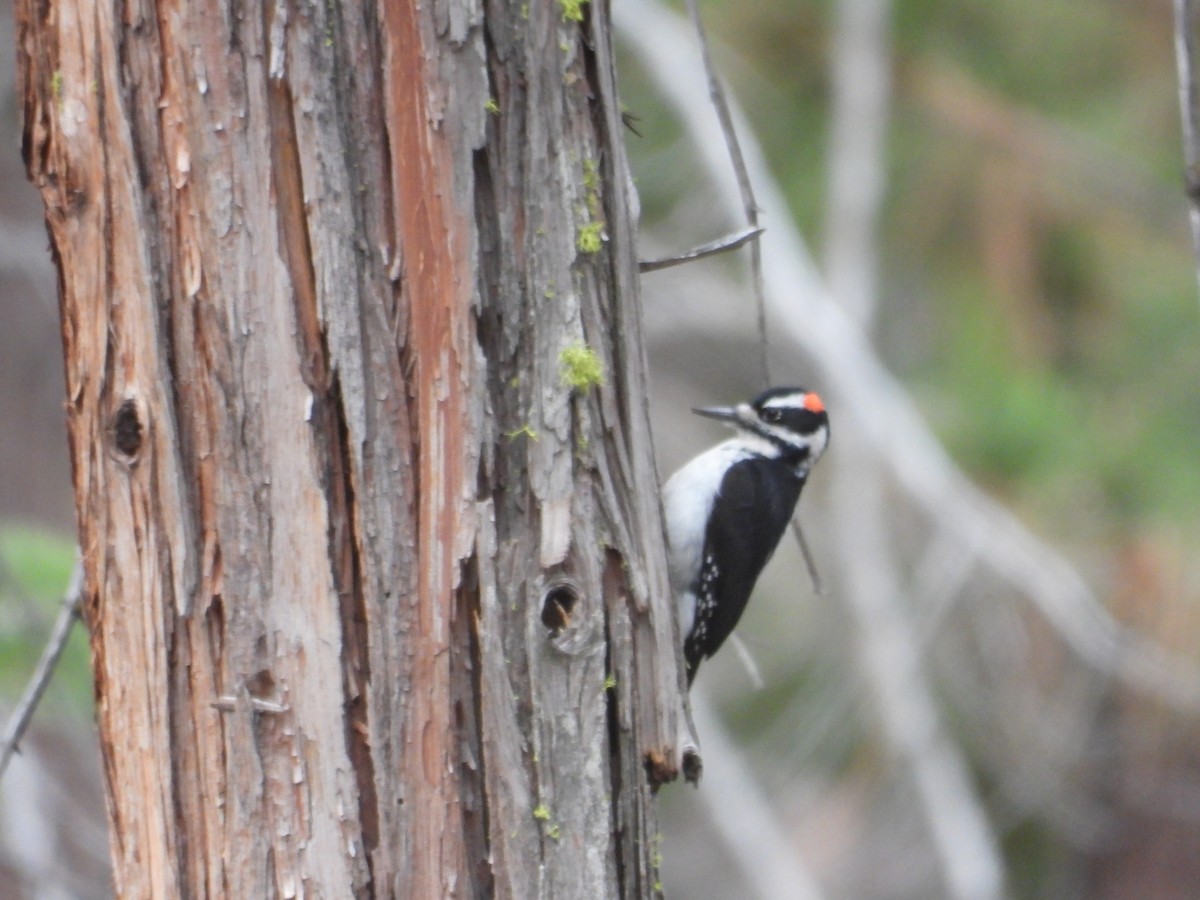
x=376 y=596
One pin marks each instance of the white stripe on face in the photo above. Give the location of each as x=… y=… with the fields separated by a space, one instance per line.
x=794 y=400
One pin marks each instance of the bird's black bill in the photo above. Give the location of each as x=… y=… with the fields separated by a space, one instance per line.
x=720 y=413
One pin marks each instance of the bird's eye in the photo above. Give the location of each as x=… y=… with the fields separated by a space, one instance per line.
x=773 y=415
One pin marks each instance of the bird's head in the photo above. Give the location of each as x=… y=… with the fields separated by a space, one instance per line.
x=784 y=422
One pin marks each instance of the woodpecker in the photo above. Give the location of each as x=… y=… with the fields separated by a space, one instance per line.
x=727 y=509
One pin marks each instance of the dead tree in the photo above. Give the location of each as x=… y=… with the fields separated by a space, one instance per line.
x=356 y=405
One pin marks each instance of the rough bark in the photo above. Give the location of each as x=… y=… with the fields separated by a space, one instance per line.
x=376 y=595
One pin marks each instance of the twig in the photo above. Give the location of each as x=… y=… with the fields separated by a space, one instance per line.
x=810 y=562
x=750 y=206
x=227 y=703
x=712 y=248
x=1186 y=24
x=738 y=160
x=19 y=720
x=748 y=661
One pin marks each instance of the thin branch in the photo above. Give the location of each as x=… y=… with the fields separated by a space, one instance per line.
x=749 y=663
x=750 y=206
x=810 y=561
x=227 y=703
x=737 y=159
x=712 y=248
x=19 y=721
x=1187 y=21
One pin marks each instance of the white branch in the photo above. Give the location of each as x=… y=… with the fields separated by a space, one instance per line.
x=889 y=654
x=966 y=848
x=861 y=85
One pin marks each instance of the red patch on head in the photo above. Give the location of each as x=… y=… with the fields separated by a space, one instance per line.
x=813 y=403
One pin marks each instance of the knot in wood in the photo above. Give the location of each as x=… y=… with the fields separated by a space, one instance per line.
x=126 y=430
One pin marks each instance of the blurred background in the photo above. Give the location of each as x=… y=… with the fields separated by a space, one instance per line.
x=990 y=282
x=977 y=250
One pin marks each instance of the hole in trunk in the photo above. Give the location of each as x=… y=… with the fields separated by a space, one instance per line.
x=557 y=604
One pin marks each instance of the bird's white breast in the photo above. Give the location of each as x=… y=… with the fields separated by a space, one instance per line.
x=687 y=503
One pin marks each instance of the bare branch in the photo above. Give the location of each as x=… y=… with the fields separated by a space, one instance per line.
x=712 y=248
x=751 y=209
x=229 y=702
x=810 y=562
x=745 y=186
x=748 y=661
x=19 y=721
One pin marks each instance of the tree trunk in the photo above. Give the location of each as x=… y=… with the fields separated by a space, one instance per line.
x=375 y=580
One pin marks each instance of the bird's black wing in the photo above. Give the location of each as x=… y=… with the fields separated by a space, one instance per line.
x=752 y=511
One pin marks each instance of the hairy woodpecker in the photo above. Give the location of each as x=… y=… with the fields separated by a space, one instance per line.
x=727 y=509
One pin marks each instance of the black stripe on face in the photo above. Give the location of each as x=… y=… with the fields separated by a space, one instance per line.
x=790 y=420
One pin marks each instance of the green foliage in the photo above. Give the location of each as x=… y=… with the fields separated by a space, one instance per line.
x=38 y=563
x=1036 y=859
x=1104 y=414
x=35 y=568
